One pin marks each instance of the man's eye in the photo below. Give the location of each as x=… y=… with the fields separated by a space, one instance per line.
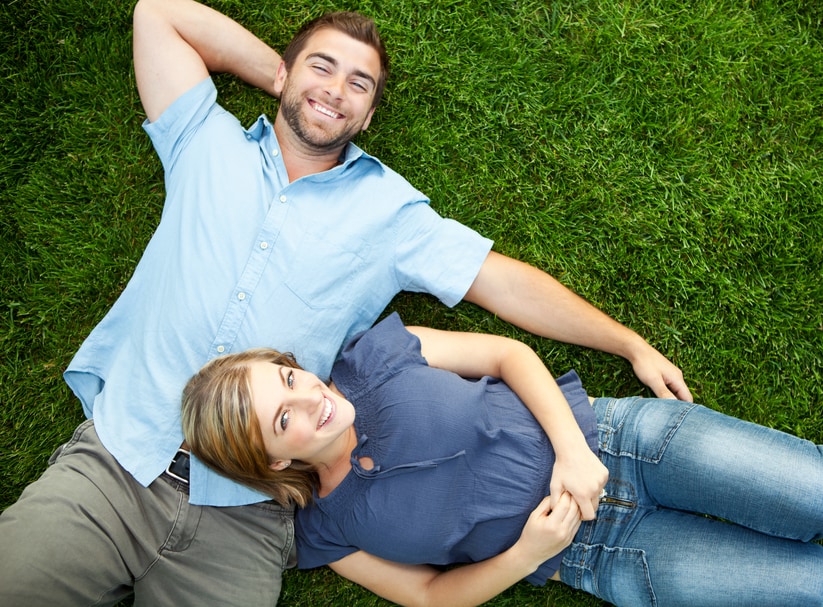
x=284 y=420
x=290 y=380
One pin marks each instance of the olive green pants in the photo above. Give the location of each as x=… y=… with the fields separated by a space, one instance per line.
x=86 y=533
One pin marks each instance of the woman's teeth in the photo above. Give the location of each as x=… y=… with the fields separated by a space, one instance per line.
x=326 y=413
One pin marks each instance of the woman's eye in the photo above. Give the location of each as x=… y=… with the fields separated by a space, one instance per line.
x=284 y=420
x=290 y=380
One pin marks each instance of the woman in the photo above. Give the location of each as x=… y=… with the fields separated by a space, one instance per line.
x=436 y=469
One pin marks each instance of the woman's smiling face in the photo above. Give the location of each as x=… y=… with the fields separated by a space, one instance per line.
x=300 y=417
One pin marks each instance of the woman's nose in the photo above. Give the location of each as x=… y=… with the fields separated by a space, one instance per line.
x=308 y=399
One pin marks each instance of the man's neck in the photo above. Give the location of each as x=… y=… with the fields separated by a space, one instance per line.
x=299 y=159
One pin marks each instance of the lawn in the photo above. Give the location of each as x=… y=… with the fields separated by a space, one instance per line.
x=660 y=158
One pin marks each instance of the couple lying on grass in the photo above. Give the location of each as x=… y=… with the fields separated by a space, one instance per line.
x=433 y=469
x=430 y=448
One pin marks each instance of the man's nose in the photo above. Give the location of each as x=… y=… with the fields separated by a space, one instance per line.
x=336 y=86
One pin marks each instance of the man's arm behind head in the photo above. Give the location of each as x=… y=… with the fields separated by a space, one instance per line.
x=178 y=42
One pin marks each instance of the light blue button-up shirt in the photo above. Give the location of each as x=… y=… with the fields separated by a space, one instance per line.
x=243 y=258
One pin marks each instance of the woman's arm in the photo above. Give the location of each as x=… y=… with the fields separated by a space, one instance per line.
x=577 y=470
x=546 y=533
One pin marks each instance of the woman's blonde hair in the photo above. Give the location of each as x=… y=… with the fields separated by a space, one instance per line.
x=222 y=430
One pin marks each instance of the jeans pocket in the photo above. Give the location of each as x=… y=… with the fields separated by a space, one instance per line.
x=640 y=428
x=617 y=575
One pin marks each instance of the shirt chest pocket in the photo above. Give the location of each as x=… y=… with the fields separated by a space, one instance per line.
x=324 y=273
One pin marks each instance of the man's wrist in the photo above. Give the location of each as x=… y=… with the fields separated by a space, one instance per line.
x=634 y=348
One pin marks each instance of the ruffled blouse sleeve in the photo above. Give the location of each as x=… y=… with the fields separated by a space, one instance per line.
x=372 y=357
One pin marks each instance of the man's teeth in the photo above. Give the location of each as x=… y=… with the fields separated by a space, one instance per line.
x=326 y=413
x=326 y=111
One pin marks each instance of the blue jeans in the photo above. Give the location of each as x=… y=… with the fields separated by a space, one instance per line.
x=669 y=460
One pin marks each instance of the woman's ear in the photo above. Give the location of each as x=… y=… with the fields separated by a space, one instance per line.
x=280 y=464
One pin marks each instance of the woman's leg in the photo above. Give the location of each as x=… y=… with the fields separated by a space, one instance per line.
x=691 y=458
x=668 y=457
x=670 y=558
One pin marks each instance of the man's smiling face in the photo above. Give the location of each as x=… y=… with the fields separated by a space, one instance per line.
x=327 y=96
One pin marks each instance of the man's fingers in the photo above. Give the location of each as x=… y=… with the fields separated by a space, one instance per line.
x=681 y=391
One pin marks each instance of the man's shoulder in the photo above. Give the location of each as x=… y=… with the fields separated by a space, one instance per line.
x=388 y=177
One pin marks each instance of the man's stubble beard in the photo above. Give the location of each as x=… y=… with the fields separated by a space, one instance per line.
x=313 y=137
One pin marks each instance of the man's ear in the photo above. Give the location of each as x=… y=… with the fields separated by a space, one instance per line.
x=280 y=464
x=368 y=119
x=279 y=79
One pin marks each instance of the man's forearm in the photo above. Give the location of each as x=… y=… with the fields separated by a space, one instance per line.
x=536 y=302
x=222 y=44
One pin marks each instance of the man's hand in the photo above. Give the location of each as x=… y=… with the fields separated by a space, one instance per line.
x=659 y=374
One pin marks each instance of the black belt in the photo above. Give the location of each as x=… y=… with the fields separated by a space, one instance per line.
x=178 y=469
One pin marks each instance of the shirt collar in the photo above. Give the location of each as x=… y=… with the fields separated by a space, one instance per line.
x=263 y=132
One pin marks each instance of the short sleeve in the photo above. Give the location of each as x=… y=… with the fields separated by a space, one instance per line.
x=375 y=355
x=180 y=121
x=319 y=540
x=438 y=255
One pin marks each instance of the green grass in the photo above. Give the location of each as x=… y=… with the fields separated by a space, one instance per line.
x=661 y=158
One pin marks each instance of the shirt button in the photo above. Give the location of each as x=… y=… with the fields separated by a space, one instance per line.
x=283 y=198
x=221 y=349
x=264 y=245
x=274 y=152
x=241 y=296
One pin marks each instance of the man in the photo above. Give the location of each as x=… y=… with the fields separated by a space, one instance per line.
x=285 y=235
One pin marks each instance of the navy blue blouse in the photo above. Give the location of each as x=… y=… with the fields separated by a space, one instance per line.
x=458 y=464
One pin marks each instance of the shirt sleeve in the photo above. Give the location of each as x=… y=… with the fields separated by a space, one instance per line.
x=375 y=355
x=177 y=124
x=438 y=255
x=319 y=541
